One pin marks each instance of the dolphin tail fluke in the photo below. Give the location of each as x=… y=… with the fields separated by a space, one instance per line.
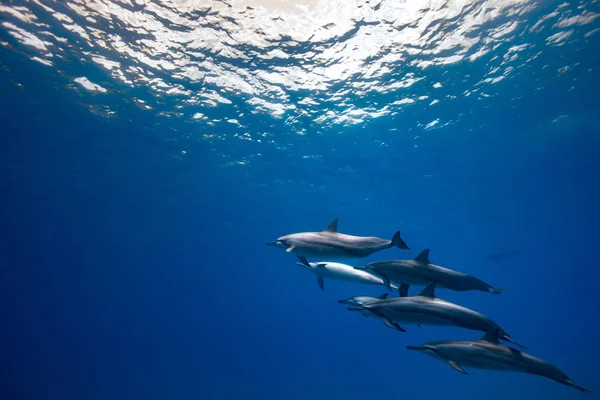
x=513 y=341
x=498 y=290
x=398 y=242
x=571 y=383
x=582 y=389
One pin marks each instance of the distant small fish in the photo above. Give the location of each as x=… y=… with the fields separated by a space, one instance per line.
x=502 y=255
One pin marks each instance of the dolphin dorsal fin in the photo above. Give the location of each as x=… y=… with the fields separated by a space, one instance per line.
x=429 y=291
x=423 y=257
x=383 y=296
x=332 y=227
x=492 y=336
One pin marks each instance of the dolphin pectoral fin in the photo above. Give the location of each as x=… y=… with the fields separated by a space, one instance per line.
x=304 y=261
x=320 y=282
x=398 y=242
x=457 y=367
x=392 y=325
x=386 y=282
x=403 y=290
x=289 y=249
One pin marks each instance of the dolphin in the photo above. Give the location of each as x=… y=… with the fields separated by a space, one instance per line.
x=426 y=309
x=330 y=244
x=488 y=353
x=342 y=272
x=420 y=271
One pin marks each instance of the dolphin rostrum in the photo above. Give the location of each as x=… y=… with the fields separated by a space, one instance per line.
x=488 y=353
x=330 y=244
x=421 y=271
x=362 y=300
x=342 y=272
x=426 y=309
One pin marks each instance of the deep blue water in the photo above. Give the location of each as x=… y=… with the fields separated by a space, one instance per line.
x=133 y=262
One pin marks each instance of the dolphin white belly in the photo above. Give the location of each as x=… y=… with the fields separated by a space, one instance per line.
x=345 y=272
x=342 y=272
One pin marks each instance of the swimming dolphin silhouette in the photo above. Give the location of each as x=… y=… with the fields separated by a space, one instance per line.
x=488 y=353
x=342 y=272
x=420 y=271
x=426 y=309
x=330 y=244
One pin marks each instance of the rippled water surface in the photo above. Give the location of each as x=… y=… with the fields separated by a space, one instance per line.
x=358 y=61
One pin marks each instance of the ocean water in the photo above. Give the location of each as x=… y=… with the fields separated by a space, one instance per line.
x=149 y=149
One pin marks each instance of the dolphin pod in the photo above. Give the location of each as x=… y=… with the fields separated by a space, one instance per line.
x=423 y=309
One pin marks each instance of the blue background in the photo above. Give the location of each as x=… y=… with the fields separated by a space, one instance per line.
x=128 y=271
